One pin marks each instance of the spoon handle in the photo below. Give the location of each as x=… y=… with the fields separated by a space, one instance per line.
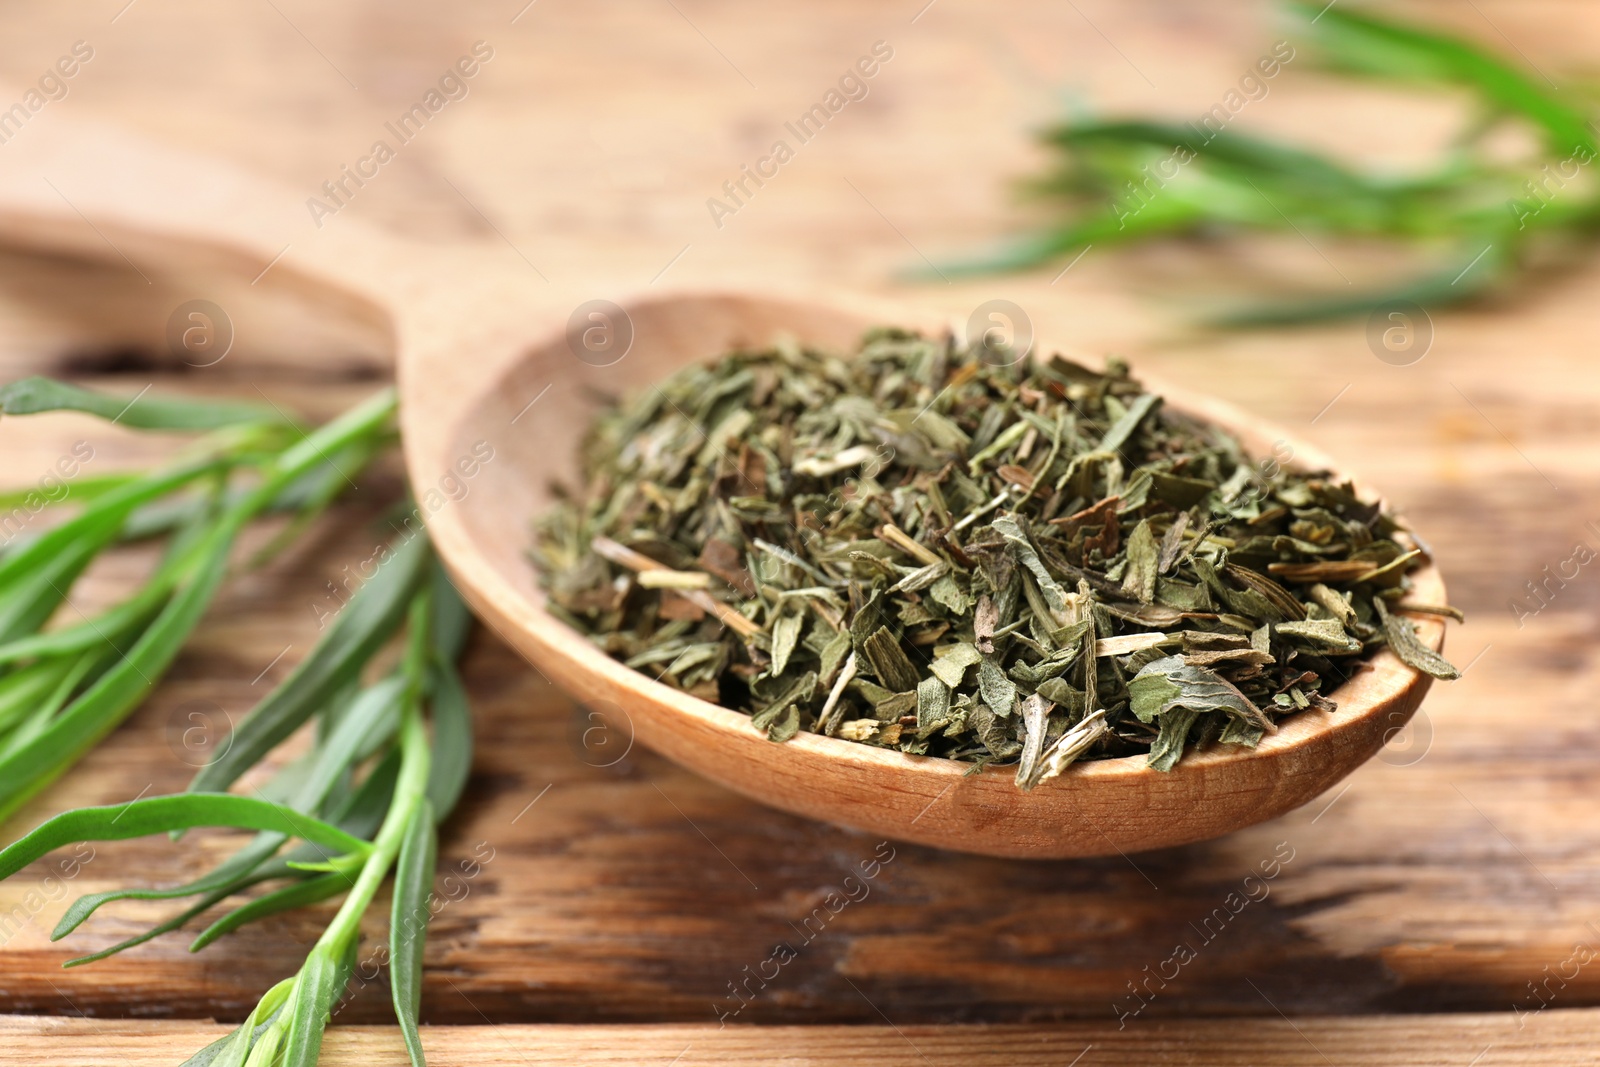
x=71 y=185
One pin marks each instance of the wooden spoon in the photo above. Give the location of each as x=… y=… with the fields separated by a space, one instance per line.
x=498 y=373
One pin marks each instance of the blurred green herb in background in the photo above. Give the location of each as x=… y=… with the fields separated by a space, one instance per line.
x=1474 y=217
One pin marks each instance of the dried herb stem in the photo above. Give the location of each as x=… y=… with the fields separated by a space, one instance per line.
x=690 y=585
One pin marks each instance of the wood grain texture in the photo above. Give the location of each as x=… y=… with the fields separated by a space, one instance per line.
x=1456 y=869
x=1564 y=1039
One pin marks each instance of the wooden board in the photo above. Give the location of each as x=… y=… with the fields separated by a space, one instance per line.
x=1448 y=876
x=1566 y=1039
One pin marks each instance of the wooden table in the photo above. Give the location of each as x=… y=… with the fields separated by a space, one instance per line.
x=1425 y=899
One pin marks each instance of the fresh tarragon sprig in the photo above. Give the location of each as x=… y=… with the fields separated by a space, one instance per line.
x=363 y=801
x=367 y=796
x=1476 y=215
x=63 y=690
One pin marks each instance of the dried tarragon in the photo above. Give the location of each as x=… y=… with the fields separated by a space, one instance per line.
x=952 y=553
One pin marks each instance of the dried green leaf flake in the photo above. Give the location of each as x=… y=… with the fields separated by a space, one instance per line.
x=888 y=662
x=785 y=636
x=1169 y=743
x=1139 y=577
x=1011 y=529
x=999 y=692
x=1327 y=633
x=933 y=705
x=1402 y=638
x=1170 y=684
x=950 y=665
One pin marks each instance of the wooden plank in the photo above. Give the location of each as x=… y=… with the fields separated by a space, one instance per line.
x=1563 y=1039
x=1447 y=877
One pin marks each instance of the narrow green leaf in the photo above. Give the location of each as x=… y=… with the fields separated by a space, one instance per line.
x=266 y=1049
x=408 y=923
x=167 y=925
x=31 y=396
x=152 y=815
x=117 y=692
x=84 y=489
x=1483 y=260
x=332 y=453
x=28 y=601
x=1263 y=160
x=295 y=895
x=313 y=493
x=97 y=524
x=361 y=628
x=112 y=625
x=363 y=811
x=273 y=868
x=375 y=415
x=369 y=723
x=451 y=620
x=231 y=1051
x=452 y=740
x=82 y=670
x=1362 y=41
x=231 y=875
x=211 y=1055
x=24 y=689
x=320 y=983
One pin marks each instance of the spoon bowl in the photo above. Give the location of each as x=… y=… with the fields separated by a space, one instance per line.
x=533 y=412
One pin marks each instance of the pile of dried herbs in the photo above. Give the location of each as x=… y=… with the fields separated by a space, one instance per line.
x=953 y=552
